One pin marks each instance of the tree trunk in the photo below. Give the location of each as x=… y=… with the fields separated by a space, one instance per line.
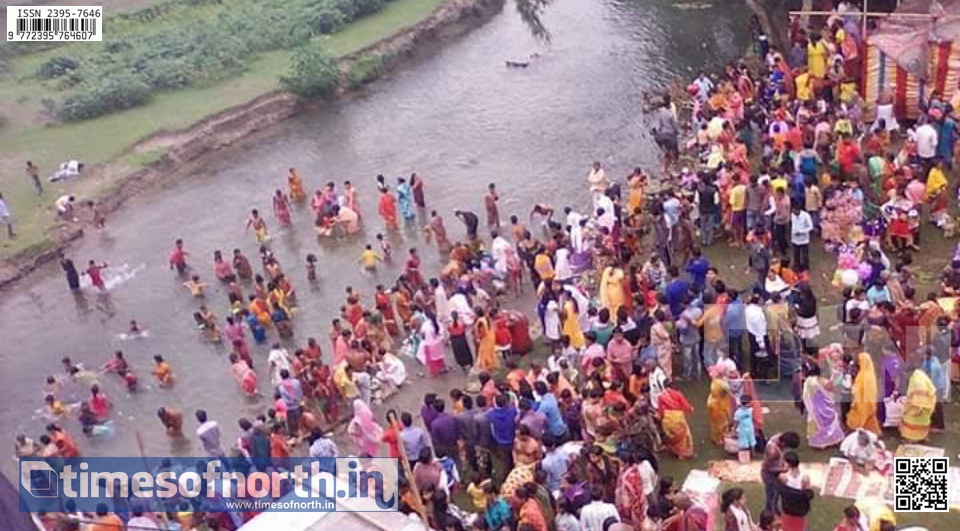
x=774 y=17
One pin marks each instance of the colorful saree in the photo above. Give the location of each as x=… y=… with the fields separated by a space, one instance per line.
x=823 y=423
x=918 y=409
x=719 y=410
x=673 y=409
x=863 y=409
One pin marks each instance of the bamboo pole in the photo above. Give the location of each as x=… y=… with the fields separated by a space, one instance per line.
x=421 y=508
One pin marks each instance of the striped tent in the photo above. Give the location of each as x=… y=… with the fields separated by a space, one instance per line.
x=913 y=57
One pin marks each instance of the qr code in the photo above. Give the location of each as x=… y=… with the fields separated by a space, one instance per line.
x=920 y=484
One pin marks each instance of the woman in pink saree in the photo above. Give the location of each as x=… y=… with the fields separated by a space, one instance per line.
x=281 y=208
x=245 y=376
x=364 y=430
x=431 y=345
x=823 y=423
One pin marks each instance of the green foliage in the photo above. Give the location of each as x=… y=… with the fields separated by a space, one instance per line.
x=365 y=70
x=106 y=95
x=56 y=67
x=313 y=72
x=184 y=43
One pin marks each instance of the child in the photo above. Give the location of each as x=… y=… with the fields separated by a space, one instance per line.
x=385 y=247
x=456 y=401
x=195 y=286
x=450 y=468
x=162 y=371
x=53 y=406
x=369 y=258
x=311 y=267
x=95 y=272
x=134 y=329
x=746 y=435
x=477 y=489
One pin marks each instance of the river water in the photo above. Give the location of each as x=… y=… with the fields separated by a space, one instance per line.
x=458 y=117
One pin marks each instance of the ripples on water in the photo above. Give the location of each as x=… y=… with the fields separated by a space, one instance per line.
x=460 y=118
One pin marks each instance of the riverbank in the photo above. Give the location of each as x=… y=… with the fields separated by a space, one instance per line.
x=163 y=151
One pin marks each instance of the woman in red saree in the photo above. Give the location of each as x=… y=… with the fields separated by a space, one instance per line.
x=631 y=501
x=354 y=310
x=674 y=408
x=387 y=208
x=413 y=269
x=384 y=305
x=325 y=390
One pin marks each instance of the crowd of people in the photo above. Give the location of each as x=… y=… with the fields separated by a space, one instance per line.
x=630 y=311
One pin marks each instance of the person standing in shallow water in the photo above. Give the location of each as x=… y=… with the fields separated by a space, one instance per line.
x=387 y=208
x=490 y=204
x=405 y=198
x=416 y=184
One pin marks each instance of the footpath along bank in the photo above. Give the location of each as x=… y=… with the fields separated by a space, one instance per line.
x=114 y=182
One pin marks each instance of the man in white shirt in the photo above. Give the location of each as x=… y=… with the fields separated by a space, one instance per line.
x=64 y=206
x=657 y=383
x=756 y=323
x=801 y=225
x=595 y=513
x=927 y=143
x=441 y=301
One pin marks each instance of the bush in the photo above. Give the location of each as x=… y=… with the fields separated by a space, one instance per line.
x=56 y=67
x=313 y=72
x=323 y=16
x=365 y=70
x=109 y=94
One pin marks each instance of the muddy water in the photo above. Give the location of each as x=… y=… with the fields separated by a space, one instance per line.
x=459 y=117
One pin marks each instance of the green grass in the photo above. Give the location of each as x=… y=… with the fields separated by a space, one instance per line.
x=25 y=137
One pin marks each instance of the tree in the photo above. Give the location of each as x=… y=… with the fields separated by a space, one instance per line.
x=313 y=72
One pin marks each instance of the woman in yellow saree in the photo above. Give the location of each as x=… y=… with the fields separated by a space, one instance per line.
x=863 y=409
x=295 y=186
x=918 y=409
x=571 y=322
x=611 y=289
x=719 y=411
x=486 y=343
x=674 y=408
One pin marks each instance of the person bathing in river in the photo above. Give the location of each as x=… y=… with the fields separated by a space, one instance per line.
x=259 y=226
x=490 y=204
x=281 y=208
x=405 y=198
x=387 y=208
x=295 y=186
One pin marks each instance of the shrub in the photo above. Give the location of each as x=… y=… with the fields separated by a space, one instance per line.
x=56 y=67
x=365 y=70
x=313 y=72
x=323 y=16
x=108 y=94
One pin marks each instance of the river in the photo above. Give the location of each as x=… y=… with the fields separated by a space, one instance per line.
x=458 y=117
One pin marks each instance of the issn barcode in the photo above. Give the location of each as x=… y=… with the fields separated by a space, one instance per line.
x=27 y=25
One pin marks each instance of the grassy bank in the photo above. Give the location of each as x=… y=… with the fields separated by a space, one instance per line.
x=24 y=136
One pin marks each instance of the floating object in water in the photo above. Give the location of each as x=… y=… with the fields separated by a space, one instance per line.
x=517 y=64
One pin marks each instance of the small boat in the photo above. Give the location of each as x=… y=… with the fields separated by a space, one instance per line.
x=517 y=64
